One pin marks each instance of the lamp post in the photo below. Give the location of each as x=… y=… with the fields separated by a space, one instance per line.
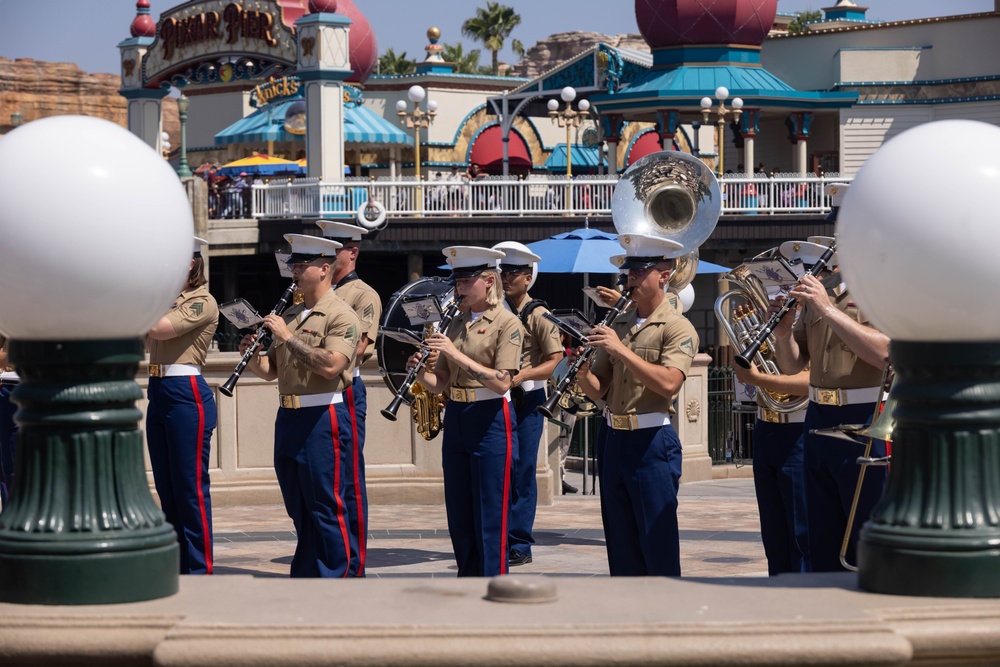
x=736 y=108
x=165 y=145
x=81 y=526
x=16 y=119
x=416 y=120
x=570 y=119
x=183 y=170
x=936 y=530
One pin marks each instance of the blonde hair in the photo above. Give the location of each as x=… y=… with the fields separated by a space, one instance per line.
x=494 y=295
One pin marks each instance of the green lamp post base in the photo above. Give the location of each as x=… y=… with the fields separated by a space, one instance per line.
x=936 y=531
x=81 y=526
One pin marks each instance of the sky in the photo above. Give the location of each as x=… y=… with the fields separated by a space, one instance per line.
x=87 y=32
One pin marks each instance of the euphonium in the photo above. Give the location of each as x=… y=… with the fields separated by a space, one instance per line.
x=741 y=312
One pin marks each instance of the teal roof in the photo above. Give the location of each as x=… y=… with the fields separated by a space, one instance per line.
x=361 y=126
x=584 y=157
x=687 y=84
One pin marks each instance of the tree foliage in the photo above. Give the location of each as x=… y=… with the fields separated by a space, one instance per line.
x=492 y=26
x=391 y=63
x=798 y=24
x=465 y=63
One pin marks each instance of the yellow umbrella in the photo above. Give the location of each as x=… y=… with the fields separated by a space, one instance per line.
x=259 y=163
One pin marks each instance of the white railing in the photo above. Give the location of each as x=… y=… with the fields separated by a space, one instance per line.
x=534 y=196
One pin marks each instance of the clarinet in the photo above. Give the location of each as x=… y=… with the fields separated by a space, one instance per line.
x=745 y=358
x=449 y=314
x=263 y=334
x=548 y=408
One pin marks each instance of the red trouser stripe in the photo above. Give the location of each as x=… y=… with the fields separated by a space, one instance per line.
x=358 y=491
x=341 y=520
x=205 y=530
x=506 y=487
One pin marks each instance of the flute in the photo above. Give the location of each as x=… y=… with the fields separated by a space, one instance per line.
x=263 y=334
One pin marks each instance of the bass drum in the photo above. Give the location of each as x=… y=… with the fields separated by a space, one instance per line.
x=392 y=354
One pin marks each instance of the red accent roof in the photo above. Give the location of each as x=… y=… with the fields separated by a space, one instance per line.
x=674 y=22
x=143 y=24
x=364 y=47
x=487 y=151
x=648 y=142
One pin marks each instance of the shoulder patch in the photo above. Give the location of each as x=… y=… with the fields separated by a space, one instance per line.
x=515 y=336
x=351 y=335
x=688 y=346
x=368 y=314
x=198 y=307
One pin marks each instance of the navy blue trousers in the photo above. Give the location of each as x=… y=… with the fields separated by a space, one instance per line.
x=524 y=487
x=180 y=420
x=779 y=480
x=640 y=473
x=313 y=453
x=8 y=440
x=831 y=477
x=476 y=458
x=356 y=495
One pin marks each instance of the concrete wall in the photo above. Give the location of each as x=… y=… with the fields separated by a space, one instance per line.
x=401 y=467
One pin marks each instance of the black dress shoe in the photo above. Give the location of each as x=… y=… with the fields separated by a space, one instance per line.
x=568 y=488
x=515 y=557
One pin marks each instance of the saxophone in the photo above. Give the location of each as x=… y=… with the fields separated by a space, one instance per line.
x=426 y=407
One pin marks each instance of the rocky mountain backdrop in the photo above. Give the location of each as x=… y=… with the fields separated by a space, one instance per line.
x=39 y=89
x=561 y=46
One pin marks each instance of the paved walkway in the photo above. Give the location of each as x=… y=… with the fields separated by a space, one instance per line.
x=719 y=529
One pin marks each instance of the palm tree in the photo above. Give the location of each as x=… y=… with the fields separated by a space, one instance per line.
x=798 y=24
x=465 y=63
x=390 y=63
x=492 y=26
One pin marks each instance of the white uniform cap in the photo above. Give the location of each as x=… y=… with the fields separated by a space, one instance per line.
x=822 y=240
x=306 y=248
x=807 y=251
x=836 y=192
x=468 y=260
x=645 y=250
x=517 y=255
x=342 y=231
x=198 y=243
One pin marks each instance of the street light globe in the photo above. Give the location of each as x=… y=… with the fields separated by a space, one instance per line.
x=737 y=103
x=721 y=93
x=584 y=105
x=432 y=105
x=568 y=94
x=686 y=296
x=927 y=198
x=401 y=106
x=416 y=94
x=706 y=103
x=553 y=105
x=182 y=103
x=112 y=265
x=164 y=136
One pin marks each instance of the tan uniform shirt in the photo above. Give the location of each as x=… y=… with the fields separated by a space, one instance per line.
x=366 y=303
x=541 y=337
x=195 y=316
x=494 y=340
x=330 y=325
x=666 y=339
x=832 y=364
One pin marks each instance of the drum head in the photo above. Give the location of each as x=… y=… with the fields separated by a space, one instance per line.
x=392 y=354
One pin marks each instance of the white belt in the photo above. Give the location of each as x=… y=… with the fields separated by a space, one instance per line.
x=532 y=385
x=844 y=396
x=293 y=402
x=775 y=417
x=634 y=422
x=474 y=394
x=173 y=370
x=357 y=372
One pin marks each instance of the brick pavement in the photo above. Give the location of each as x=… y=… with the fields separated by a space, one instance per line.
x=720 y=537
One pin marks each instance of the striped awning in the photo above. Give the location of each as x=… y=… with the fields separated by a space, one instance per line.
x=361 y=126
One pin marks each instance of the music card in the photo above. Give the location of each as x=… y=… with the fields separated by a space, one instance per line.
x=423 y=310
x=241 y=314
x=401 y=335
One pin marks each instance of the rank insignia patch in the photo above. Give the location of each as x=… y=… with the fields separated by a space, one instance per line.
x=368 y=314
x=515 y=336
x=351 y=335
x=198 y=307
x=688 y=346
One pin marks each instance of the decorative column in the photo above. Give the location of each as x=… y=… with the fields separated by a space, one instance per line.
x=667 y=122
x=936 y=531
x=612 y=125
x=798 y=125
x=144 y=117
x=323 y=65
x=81 y=526
x=749 y=127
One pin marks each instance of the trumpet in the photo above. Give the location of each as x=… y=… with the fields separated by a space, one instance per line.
x=263 y=334
x=548 y=408
x=449 y=314
x=745 y=358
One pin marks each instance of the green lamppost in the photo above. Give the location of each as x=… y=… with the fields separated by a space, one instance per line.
x=81 y=526
x=183 y=170
x=917 y=239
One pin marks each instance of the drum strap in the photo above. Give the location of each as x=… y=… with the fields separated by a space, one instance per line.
x=528 y=307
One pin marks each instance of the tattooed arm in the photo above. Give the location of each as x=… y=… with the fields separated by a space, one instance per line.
x=325 y=363
x=498 y=380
